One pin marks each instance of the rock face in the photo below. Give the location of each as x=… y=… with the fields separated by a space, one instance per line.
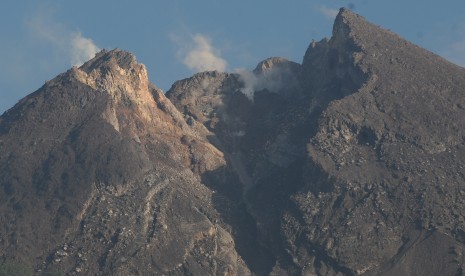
x=384 y=175
x=98 y=175
x=348 y=164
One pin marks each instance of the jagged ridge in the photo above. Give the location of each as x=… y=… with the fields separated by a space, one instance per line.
x=351 y=163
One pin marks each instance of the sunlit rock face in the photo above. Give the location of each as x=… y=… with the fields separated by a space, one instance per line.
x=350 y=163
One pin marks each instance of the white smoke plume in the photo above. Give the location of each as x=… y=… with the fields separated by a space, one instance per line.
x=202 y=56
x=328 y=12
x=82 y=49
x=250 y=82
x=72 y=44
x=274 y=80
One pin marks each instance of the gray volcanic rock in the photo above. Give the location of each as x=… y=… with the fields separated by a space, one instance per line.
x=348 y=164
x=99 y=176
x=384 y=182
x=356 y=169
x=277 y=63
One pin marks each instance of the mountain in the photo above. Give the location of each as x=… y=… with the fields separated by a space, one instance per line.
x=99 y=176
x=350 y=163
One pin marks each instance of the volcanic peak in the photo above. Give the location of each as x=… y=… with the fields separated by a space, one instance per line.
x=118 y=73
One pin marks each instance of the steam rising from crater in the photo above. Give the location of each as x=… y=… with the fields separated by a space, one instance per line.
x=273 y=74
x=202 y=56
x=70 y=43
x=82 y=49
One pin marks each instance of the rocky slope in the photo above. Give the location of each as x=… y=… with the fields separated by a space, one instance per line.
x=356 y=168
x=100 y=176
x=384 y=177
x=350 y=163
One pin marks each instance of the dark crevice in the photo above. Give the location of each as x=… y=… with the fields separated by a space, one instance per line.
x=234 y=212
x=321 y=255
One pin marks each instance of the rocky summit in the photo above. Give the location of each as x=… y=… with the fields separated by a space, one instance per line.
x=350 y=163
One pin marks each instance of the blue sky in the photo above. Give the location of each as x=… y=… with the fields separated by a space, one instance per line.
x=176 y=38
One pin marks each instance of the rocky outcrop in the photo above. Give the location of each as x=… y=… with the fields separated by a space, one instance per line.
x=348 y=164
x=383 y=175
x=106 y=179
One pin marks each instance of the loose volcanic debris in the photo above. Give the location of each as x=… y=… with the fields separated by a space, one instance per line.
x=350 y=163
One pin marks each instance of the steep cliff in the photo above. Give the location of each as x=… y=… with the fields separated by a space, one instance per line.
x=350 y=163
x=384 y=168
x=100 y=174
